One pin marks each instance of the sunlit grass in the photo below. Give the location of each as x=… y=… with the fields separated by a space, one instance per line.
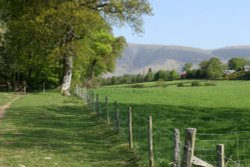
x=211 y=109
x=51 y=130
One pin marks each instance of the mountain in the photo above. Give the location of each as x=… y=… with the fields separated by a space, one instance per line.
x=138 y=58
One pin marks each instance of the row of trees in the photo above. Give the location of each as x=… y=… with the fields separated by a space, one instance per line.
x=213 y=68
x=210 y=69
x=60 y=41
x=139 y=78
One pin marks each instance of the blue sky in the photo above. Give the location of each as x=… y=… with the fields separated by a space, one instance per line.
x=206 y=24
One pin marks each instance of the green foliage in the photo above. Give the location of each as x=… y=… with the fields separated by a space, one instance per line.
x=136 y=86
x=149 y=77
x=209 y=84
x=187 y=67
x=41 y=35
x=211 y=69
x=237 y=64
x=161 y=74
x=196 y=83
x=181 y=84
x=174 y=75
x=161 y=83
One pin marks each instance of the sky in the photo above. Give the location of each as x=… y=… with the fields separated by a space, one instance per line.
x=206 y=24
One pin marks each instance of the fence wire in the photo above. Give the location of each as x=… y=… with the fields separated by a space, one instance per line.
x=237 y=143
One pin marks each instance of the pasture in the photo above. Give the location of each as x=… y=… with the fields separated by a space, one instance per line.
x=5 y=97
x=220 y=113
x=52 y=130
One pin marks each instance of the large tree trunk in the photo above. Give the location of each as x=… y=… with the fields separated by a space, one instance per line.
x=67 y=76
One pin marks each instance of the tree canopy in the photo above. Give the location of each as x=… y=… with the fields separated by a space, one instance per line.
x=237 y=63
x=53 y=41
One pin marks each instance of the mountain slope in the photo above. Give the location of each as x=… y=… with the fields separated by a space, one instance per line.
x=138 y=58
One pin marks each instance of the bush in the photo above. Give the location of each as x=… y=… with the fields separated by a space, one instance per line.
x=209 y=84
x=180 y=85
x=196 y=83
x=136 y=86
x=161 y=83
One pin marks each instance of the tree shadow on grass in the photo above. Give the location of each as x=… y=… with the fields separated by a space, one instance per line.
x=67 y=131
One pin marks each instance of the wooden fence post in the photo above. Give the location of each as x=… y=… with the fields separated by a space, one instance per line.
x=189 y=147
x=150 y=142
x=44 y=87
x=97 y=105
x=81 y=93
x=78 y=91
x=117 y=116
x=88 y=97
x=130 y=127
x=220 y=155
x=24 y=87
x=93 y=101
x=107 y=110
x=177 y=159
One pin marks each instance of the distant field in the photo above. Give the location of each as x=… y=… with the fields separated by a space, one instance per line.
x=220 y=113
x=4 y=97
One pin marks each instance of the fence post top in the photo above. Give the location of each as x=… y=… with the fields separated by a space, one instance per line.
x=176 y=130
x=192 y=130
x=220 y=145
x=130 y=108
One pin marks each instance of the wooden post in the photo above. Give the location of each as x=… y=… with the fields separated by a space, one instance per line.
x=89 y=98
x=43 y=87
x=107 y=110
x=79 y=88
x=130 y=127
x=150 y=142
x=24 y=87
x=93 y=101
x=189 y=147
x=177 y=159
x=220 y=155
x=97 y=105
x=117 y=116
x=76 y=90
x=82 y=93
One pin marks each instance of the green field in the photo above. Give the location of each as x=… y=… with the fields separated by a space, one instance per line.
x=48 y=130
x=5 y=97
x=220 y=113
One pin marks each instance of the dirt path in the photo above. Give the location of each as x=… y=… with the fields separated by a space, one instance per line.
x=6 y=106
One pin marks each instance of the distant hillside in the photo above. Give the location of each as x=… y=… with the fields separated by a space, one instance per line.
x=138 y=58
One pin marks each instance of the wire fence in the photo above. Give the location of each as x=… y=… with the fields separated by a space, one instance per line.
x=237 y=144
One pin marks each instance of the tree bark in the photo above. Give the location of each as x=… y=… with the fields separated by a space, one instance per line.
x=67 y=76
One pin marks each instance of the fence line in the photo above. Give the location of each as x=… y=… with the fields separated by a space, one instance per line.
x=125 y=124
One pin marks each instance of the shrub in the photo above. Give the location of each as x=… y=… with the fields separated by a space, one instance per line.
x=196 y=83
x=161 y=83
x=136 y=86
x=180 y=85
x=209 y=84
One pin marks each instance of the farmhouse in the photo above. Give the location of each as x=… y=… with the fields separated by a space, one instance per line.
x=227 y=72
x=247 y=68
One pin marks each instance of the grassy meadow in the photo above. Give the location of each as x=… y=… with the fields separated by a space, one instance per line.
x=49 y=130
x=5 y=97
x=220 y=113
